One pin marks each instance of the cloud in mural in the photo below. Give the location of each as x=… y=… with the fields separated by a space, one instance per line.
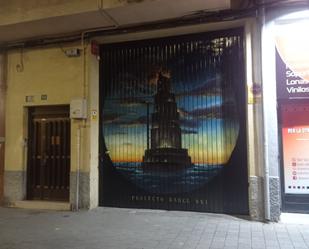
x=133 y=102
x=189 y=123
x=227 y=110
x=186 y=131
x=205 y=90
x=142 y=120
x=182 y=112
x=207 y=113
x=119 y=133
x=111 y=117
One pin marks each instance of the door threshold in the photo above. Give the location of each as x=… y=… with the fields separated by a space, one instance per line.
x=294 y=218
x=42 y=205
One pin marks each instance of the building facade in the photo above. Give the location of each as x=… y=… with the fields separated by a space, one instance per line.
x=166 y=111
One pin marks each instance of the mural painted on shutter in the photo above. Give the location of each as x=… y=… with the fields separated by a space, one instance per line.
x=172 y=121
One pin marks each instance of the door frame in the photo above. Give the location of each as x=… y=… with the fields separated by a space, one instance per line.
x=56 y=110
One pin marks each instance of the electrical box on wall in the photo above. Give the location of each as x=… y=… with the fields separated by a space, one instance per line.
x=78 y=109
x=73 y=52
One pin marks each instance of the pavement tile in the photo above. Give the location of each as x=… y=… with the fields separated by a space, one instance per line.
x=244 y=246
x=112 y=228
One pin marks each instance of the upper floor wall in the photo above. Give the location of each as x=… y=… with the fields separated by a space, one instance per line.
x=20 y=20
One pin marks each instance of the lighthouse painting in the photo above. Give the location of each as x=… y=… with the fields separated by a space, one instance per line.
x=172 y=123
x=165 y=152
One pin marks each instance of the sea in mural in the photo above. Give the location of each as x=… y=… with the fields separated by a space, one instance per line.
x=167 y=182
x=170 y=113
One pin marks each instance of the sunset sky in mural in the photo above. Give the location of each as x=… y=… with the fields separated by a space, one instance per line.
x=208 y=136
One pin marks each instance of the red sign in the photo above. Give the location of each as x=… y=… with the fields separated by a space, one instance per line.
x=295 y=140
x=95 y=48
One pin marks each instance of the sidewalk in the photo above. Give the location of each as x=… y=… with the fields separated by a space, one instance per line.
x=112 y=228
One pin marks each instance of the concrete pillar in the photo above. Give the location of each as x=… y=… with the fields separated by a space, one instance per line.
x=88 y=174
x=271 y=146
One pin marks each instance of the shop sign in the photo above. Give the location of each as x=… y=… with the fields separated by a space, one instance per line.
x=291 y=84
x=292 y=63
x=295 y=136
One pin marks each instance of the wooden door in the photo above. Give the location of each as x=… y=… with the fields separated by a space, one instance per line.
x=49 y=153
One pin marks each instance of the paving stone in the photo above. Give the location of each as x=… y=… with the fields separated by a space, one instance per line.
x=244 y=246
x=112 y=228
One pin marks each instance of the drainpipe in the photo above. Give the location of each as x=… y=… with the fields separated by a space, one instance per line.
x=3 y=65
x=78 y=145
x=262 y=16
